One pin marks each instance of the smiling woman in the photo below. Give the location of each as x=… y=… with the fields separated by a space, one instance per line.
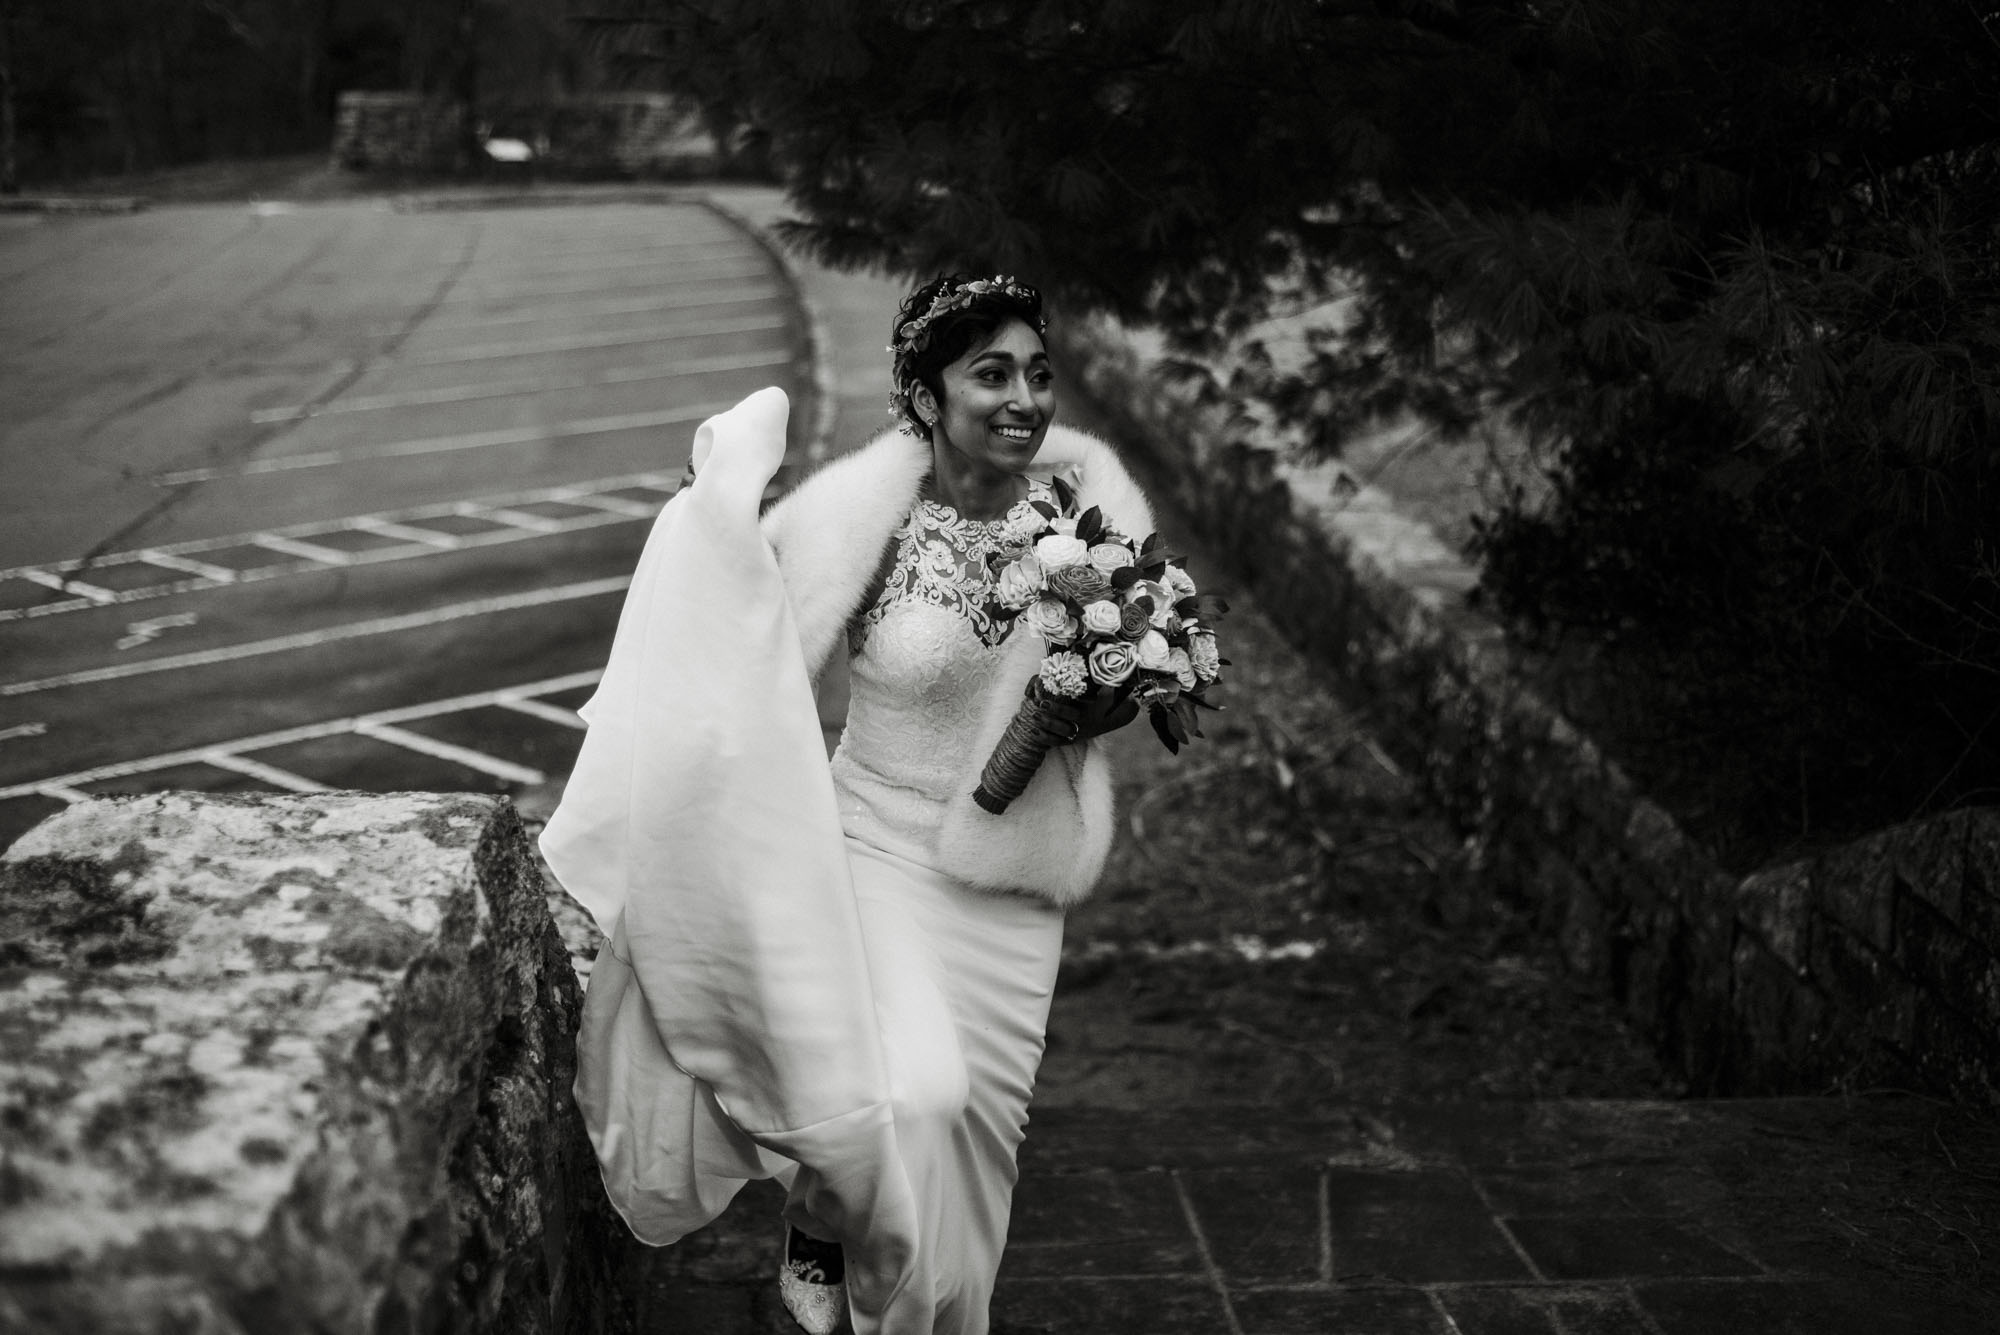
x=847 y=981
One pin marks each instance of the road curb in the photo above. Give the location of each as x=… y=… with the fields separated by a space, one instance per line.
x=530 y=197
x=73 y=203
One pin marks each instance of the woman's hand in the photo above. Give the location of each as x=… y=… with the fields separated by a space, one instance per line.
x=1099 y=712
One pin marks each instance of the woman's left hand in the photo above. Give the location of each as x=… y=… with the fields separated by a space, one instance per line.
x=1101 y=711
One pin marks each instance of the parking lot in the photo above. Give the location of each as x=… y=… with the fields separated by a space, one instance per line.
x=343 y=495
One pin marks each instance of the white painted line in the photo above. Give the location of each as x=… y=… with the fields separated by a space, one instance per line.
x=24 y=730
x=327 y=635
x=311 y=551
x=593 y=309
x=616 y=338
x=567 y=718
x=458 y=704
x=64 y=584
x=145 y=632
x=470 y=296
x=713 y=252
x=477 y=440
x=168 y=561
x=616 y=505
x=257 y=769
x=533 y=523
x=404 y=524
x=390 y=529
x=663 y=481
x=515 y=387
x=64 y=786
x=463 y=755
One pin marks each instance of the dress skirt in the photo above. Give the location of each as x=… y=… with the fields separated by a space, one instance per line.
x=962 y=981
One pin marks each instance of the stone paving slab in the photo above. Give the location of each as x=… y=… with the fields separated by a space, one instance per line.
x=1580 y=1218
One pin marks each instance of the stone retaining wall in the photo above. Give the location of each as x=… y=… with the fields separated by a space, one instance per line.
x=290 y=1063
x=1875 y=964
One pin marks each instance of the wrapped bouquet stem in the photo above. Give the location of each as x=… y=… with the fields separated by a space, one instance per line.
x=1117 y=616
x=1018 y=753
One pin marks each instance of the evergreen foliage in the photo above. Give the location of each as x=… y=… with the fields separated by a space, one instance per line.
x=1732 y=263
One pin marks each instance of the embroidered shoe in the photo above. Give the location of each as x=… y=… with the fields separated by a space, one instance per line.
x=812 y=1284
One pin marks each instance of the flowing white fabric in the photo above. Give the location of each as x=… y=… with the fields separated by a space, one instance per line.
x=779 y=998
x=730 y=1021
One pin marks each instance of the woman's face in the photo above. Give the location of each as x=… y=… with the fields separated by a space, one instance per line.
x=998 y=399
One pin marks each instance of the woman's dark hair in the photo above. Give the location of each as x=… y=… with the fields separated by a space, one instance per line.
x=944 y=319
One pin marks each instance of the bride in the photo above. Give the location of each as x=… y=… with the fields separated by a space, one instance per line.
x=839 y=975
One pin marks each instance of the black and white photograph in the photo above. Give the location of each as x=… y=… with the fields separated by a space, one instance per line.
x=999 y=667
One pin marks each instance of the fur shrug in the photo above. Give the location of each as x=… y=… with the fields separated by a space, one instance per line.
x=829 y=534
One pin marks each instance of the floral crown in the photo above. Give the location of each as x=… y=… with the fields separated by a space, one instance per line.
x=913 y=336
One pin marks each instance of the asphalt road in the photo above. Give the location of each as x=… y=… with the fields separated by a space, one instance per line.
x=342 y=496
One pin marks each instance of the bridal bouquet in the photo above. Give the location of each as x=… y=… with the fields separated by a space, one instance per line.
x=1116 y=615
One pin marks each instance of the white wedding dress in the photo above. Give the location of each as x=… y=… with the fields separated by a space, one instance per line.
x=791 y=990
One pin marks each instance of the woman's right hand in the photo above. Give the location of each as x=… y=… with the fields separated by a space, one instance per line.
x=1099 y=712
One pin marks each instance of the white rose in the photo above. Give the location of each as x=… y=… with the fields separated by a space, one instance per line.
x=1065 y=525
x=1162 y=596
x=1177 y=580
x=1112 y=664
x=1204 y=656
x=1020 y=583
x=1051 y=620
x=1101 y=617
x=1182 y=667
x=1153 y=650
x=1059 y=550
x=1109 y=556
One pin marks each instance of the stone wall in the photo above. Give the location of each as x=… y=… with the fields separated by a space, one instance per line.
x=596 y=135
x=1875 y=964
x=291 y=1063
x=397 y=132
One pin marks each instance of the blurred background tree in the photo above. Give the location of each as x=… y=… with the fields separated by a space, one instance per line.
x=94 y=86
x=1730 y=265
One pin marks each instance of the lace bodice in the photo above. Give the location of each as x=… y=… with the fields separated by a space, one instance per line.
x=921 y=663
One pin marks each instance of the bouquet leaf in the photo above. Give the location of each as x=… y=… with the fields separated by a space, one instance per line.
x=1187 y=607
x=1064 y=493
x=1124 y=577
x=1090 y=526
x=1046 y=510
x=1164 y=725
